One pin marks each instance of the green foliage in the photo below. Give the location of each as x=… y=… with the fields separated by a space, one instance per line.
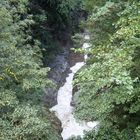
x=22 y=77
x=90 y=5
x=109 y=84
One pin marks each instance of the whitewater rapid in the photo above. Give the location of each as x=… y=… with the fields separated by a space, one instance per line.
x=64 y=111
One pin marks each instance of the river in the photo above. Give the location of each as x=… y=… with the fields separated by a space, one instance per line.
x=64 y=111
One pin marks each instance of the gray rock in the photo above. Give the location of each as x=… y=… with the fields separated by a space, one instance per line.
x=60 y=67
x=59 y=70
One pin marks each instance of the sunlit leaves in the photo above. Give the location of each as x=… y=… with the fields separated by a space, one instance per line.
x=109 y=84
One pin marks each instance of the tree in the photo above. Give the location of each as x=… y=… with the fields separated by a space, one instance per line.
x=109 y=84
x=22 y=77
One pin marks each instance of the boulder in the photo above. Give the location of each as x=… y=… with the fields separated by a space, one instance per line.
x=59 y=70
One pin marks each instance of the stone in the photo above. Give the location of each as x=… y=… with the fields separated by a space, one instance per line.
x=59 y=70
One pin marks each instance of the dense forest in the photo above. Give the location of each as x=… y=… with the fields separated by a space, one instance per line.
x=108 y=84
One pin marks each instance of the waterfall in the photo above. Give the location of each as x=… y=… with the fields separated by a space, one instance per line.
x=64 y=111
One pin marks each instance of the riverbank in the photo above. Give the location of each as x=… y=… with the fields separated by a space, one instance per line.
x=63 y=109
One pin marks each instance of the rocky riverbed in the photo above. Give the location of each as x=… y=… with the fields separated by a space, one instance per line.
x=63 y=69
x=60 y=68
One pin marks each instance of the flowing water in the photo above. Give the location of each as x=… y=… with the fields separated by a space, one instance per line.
x=64 y=111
